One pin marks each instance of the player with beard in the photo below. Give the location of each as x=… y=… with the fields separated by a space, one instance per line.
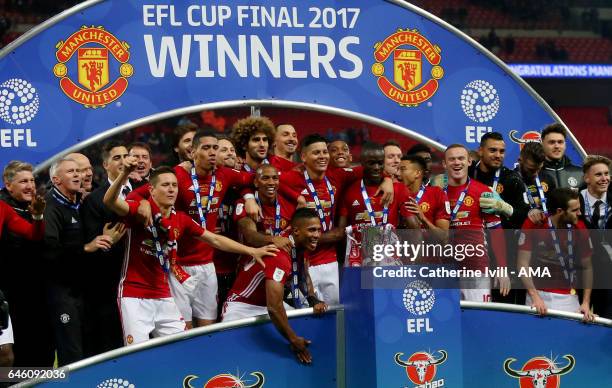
x=146 y=303
x=21 y=225
x=504 y=182
x=285 y=147
x=252 y=137
x=360 y=207
x=339 y=154
x=429 y=203
x=537 y=185
x=471 y=220
x=182 y=137
x=563 y=246
x=260 y=290
x=86 y=171
x=316 y=187
x=202 y=189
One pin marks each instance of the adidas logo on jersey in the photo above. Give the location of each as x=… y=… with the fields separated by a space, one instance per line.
x=304 y=192
x=356 y=203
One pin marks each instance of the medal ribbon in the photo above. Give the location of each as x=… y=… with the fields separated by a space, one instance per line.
x=532 y=202
x=198 y=198
x=368 y=205
x=276 y=231
x=568 y=270
x=319 y=206
x=459 y=201
x=295 y=277
x=495 y=177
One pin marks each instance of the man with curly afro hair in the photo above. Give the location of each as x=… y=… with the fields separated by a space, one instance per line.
x=253 y=137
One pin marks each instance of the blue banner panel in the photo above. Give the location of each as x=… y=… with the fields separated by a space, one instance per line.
x=256 y=356
x=415 y=333
x=113 y=62
x=502 y=349
x=548 y=70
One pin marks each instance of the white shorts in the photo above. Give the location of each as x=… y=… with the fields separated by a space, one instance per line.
x=237 y=310
x=202 y=303
x=478 y=290
x=7 y=335
x=326 y=282
x=554 y=301
x=141 y=317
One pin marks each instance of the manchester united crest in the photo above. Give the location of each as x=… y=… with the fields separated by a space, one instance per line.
x=469 y=201
x=424 y=207
x=409 y=51
x=98 y=54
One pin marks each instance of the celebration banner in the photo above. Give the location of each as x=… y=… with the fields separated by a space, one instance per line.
x=110 y=65
x=409 y=337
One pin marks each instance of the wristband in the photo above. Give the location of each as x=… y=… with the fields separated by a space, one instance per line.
x=37 y=217
x=313 y=300
x=248 y=196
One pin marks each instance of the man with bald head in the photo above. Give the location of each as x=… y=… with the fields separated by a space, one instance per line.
x=285 y=147
x=86 y=171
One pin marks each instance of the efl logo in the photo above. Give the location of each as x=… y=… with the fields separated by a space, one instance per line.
x=407 y=67
x=480 y=103
x=115 y=383
x=419 y=299
x=421 y=368
x=93 y=67
x=540 y=372
x=227 y=380
x=19 y=104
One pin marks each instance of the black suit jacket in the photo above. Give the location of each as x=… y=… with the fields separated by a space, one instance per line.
x=601 y=259
x=106 y=265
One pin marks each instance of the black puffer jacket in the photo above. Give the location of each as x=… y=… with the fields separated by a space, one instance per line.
x=563 y=172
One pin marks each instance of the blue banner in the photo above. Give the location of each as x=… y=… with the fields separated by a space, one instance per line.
x=108 y=64
x=503 y=349
x=415 y=337
x=255 y=356
x=406 y=337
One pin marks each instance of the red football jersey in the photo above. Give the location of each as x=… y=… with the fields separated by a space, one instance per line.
x=142 y=275
x=293 y=184
x=10 y=220
x=434 y=204
x=267 y=223
x=226 y=262
x=250 y=285
x=353 y=206
x=538 y=240
x=472 y=221
x=191 y=251
x=281 y=164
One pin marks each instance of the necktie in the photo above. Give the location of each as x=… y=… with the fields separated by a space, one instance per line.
x=596 y=214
